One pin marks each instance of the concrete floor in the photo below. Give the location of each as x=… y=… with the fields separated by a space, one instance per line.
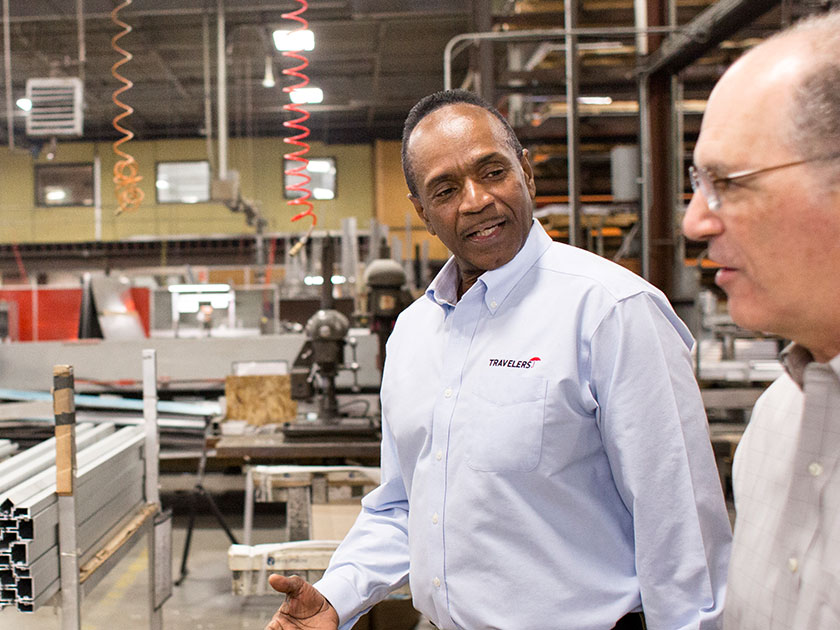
x=203 y=601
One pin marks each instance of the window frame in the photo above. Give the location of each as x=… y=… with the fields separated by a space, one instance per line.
x=40 y=201
x=208 y=198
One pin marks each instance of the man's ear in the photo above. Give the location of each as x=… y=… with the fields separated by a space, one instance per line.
x=418 y=208
x=529 y=173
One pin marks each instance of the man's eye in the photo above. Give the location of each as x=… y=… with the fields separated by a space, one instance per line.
x=723 y=184
x=444 y=192
x=494 y=173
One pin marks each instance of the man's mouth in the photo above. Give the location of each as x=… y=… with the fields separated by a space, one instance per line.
x=485 y=232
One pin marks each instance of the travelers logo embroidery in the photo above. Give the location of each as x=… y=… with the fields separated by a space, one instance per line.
x=514 y=363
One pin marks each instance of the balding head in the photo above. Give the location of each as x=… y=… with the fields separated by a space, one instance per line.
x=810 y=52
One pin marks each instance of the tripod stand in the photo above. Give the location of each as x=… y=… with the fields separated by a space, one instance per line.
x=200 y=491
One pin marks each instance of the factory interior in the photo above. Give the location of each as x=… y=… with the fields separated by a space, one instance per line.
x=207 y=239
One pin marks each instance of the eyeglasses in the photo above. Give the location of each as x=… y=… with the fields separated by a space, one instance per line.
x=709 y=185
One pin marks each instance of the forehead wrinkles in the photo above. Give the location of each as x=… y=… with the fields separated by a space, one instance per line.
x=454 y=134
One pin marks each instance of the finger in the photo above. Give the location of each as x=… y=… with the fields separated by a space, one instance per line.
x=289 y=585
x=274 y=624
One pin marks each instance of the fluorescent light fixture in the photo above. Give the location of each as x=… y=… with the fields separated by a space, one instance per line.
x=189 y=199
x=199 y=288
x=220 y=301
x=56 y=194
x=312 y=281
x=338 y=279
x=268 y=77
x=25 y=104
x=162 y=184
x=305 y=95
x=594 y=100
x=323 y=193
x=319 y=166
x=188 y=304
x=297 y=40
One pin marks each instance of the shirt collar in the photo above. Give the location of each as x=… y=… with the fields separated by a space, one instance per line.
x=795 y=359
x=498 y=282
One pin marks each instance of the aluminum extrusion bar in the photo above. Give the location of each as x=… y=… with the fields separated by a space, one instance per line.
x=39 y=533
x=89 y=485
x=45 y=446
x=204 y=408
x=20 y=496
x=26 y=467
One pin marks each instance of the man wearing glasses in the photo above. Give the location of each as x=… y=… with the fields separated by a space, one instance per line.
x=766 y=180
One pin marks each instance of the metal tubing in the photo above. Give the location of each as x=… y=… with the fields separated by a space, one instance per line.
x=572 y=135
x=704 y=32
x=646 y=194
x=26 y=467
x=221 y=88
x=80 y=22
x=249 y=506
x=150 y=399
x=40 y=534
x=21 y=496
x=7 y=51
x=544 y=33
x=208 y=101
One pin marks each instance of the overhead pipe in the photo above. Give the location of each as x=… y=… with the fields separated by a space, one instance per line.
x=536 y=34
x=7 y=51
x=221 y=88
x=80 y=30
x=572 y=126
x=208 y=101
x=704 y=32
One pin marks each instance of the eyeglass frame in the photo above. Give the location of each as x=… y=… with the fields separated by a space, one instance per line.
x=697 y=173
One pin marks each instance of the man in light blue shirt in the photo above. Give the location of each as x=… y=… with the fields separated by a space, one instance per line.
x=545 y=456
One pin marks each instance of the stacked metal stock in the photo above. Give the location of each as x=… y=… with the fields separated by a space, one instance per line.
x=109 y=486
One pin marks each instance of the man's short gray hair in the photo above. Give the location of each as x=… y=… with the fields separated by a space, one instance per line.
x=815 y=123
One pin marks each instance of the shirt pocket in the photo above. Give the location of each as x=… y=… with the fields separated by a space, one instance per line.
x=505 y=428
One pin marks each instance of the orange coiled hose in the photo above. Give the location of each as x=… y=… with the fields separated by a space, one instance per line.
x=126 y=179
x=302 y=185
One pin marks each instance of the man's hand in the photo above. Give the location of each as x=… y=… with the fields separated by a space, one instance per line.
x=304 y=609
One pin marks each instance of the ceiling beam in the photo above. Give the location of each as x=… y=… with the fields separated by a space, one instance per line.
x=703 y=33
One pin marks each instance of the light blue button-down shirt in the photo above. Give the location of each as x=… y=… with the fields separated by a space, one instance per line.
x=545 y=457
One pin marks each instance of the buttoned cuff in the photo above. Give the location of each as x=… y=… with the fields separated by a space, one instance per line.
x=343 y=597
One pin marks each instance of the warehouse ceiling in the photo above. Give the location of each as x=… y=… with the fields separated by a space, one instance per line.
x=372 y=58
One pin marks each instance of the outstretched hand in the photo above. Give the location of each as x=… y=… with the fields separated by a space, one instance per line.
x=304 y=609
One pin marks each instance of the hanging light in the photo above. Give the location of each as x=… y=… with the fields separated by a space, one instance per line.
x=268 y=78
x=306 y=95
x=297 y=40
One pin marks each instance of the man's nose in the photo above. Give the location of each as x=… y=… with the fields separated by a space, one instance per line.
x=475 y=196
x=699 y=222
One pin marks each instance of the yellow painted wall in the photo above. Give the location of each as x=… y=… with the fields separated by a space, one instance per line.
x=258 y=161
x=393 y=207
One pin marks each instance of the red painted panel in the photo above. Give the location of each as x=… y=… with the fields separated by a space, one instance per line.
x=23 y=299
x=142 y=301
x=58 y=314
x=57 y=309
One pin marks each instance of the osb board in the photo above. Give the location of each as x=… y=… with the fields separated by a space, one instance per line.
x=260 y=399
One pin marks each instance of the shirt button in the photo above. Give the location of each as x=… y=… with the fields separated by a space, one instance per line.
x=815 y=468
x=493 y=304
x=439 y=455
x=793 y=564
x=448 y=392
x=435 y=518
x=436 y=582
